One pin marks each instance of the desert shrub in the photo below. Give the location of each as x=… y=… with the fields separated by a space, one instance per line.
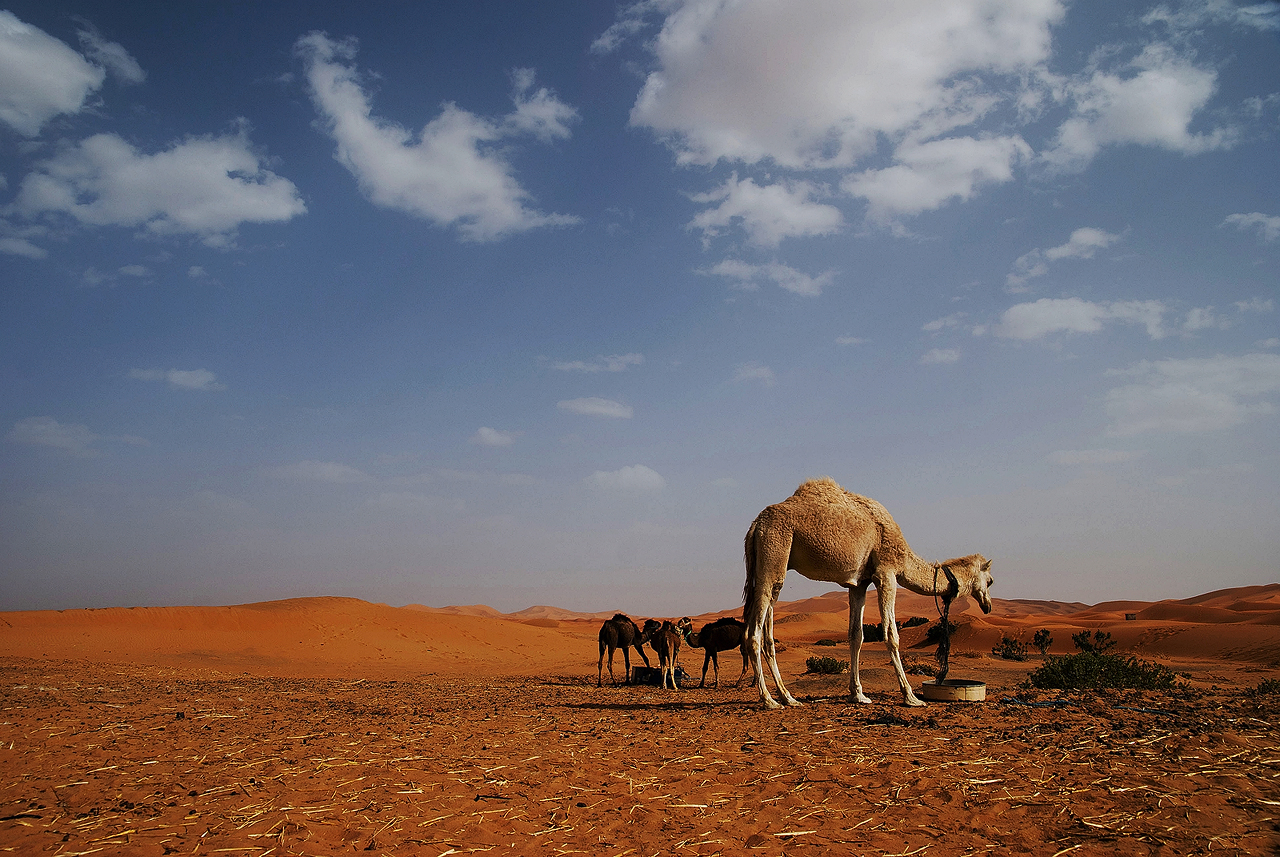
x=914 y=621
x=1011 y=649
x=1042 y=640
x=1096 y=644
x=1267 y=687
x=829 y=642
x=826 y=666
x=915 y=667
x=1091 y=670
x=873 y=633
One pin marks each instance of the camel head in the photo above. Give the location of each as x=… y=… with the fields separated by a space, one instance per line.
x=973 y=575
x=651 y=627
x=685 y=627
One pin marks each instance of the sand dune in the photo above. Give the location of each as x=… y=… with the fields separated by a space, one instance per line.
x=345 y=636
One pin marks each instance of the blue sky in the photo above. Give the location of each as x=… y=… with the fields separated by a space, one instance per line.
x=519 y=303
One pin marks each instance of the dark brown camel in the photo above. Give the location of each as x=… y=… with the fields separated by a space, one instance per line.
x=666 y=642
x=718 y=636
x=621 y=633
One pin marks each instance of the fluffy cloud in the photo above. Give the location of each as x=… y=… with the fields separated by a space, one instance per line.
x=202 y=186
x=593 y=406
x=111 y=56
x=1268 y=226
x=40 y=77
x=1072 y=315
x=817 y=84
x=453 y=173
x=1151 y=102
x=72 y=438
x=746 y=275
x=767 y=214
x=927 y=175
x=486 y=436
x=181 y=379
x=612 y=363
x=634 y=478
x=1194 y=394
x=1082 y=244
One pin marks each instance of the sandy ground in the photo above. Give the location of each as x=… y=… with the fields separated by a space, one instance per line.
x=235 y=731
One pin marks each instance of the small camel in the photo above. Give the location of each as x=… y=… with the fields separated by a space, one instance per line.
x=718 y=636
x=829 y=534
x=666 y=642
x=621 y=633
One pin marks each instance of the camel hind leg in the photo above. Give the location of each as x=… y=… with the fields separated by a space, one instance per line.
x=857 y=601
x=767 y=552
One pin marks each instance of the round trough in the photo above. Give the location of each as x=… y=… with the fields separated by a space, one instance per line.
x=954 y=690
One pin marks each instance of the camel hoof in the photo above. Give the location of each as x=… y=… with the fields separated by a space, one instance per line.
x=771 y=704
x=861 y=698
x=912 y=702
x=794 y=703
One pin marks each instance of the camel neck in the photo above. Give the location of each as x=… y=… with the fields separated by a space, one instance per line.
x=924 y=578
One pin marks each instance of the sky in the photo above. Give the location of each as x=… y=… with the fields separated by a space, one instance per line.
x=522 y=303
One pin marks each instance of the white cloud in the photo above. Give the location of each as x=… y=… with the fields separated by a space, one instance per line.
x=611 y=363
x=111 y=56
x=1191 y=16
x=1194 y=394
x=40 y=76
x=634 y=478
x=754 y=372
x=812 y=85
x=747 y=275
x=202 y=186
x=1083 y=244
x=486 y=436
x=454 y=172
x=320 y=471
x=939 y=356
x=181 y=379
x=22 y=247
x=1151 y=102
x=1072 y=315
x=1092 y=456
x=72 y=438
x=1268 y=226
x=767 y=214
x=927 y=175
x=594 y=406
x=953 y=320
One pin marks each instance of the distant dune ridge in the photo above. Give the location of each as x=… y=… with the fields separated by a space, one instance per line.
x=340 y=637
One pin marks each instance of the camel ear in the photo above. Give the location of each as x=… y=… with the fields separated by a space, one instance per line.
x=986 y=565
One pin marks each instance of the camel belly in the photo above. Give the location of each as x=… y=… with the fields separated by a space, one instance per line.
x=843 y=562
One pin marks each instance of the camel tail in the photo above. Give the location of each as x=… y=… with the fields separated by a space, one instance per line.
x=750 y=559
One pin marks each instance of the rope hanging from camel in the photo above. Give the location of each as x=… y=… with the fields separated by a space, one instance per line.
x=944 y=647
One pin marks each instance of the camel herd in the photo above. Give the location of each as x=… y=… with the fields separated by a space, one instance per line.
x=825 y=533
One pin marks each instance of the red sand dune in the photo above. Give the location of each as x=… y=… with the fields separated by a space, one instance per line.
x=345 y=636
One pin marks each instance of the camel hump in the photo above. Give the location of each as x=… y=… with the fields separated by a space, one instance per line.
x=727 y=620
x=620 y=617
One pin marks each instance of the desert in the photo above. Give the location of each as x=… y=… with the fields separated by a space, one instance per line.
x=332 y=725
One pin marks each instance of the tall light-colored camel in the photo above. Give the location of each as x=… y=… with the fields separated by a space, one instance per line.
x=829 y=534
x=666 y=642
x=718 y=636
x=621 y=633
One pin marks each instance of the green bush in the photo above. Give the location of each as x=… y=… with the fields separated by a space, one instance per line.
x=826 y=666
x=1097 y=644
x=1091 y=670
x=1042 y=640
x=1011 y=649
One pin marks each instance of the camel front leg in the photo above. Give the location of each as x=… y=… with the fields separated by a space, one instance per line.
x=886 y=597
x=857 y=601
x=600 y=669
x=626 y=663
x=643 y=656
x=773 y=657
